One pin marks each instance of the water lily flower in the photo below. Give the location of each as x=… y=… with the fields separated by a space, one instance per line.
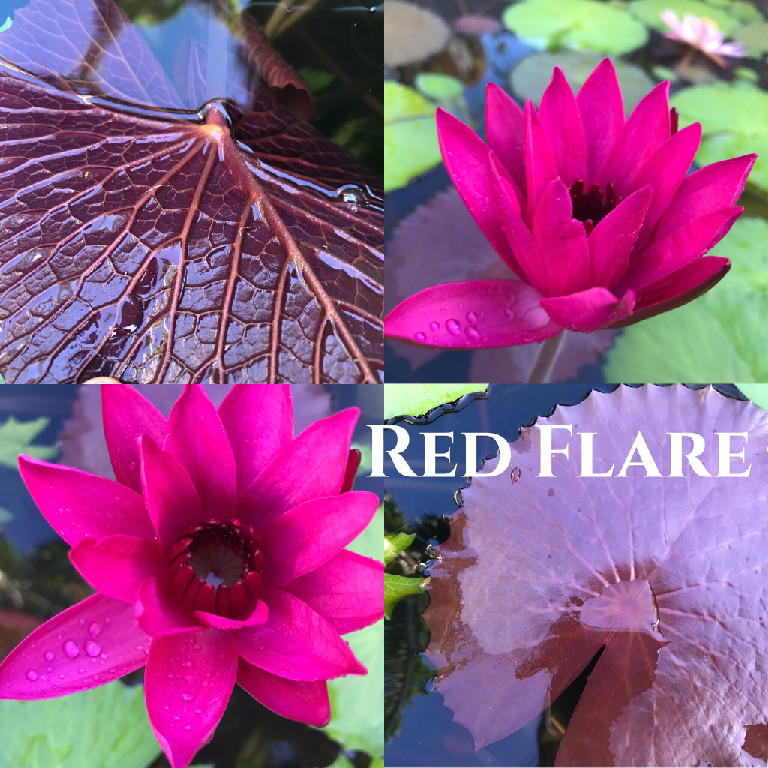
x=217 y=557
x=701 y=33
x=592 y=212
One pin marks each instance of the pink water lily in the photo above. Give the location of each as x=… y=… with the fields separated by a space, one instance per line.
x=702 y=34
x=593 y=213
x=217 y=557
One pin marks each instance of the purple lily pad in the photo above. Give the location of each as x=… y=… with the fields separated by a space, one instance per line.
x=667 y=575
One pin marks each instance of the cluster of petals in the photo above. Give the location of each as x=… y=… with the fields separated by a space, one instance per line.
x=594 y=213
x=701 y=33
x=218 y=557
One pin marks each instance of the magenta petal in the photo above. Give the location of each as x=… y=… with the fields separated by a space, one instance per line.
x=160 y=615
x=117 y=565
x=563 y=240
x=612 y=240
x=602 y=114
x=89 y=644
x=259 y=424
x=188 y=682
x=505 y=132
x=303 y=700
x=589 y=310
x=198 y=441
x=560 y=118
x=311 y=467
x=466 y=159
x=495 y=313
x=307 y=536
x=647 y=128
x=127 y=415
x=296 y=643
x=78 y=504
x=258 y=616
x=171 y=497
x=706 y=191
x=347 y=591
x=540 y=167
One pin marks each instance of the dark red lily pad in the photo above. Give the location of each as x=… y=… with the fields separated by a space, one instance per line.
x=667 y=575
x=161 y=246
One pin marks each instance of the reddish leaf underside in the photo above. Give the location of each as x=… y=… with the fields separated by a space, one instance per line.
x=151 y=248
x=667 y=574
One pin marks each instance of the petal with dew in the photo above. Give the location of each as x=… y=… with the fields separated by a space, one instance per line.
x=589 y=310
x=497 y=313
x=259 y=424
x=198 y=441
x=311 y=467
x=91 y=643
x=505 y=132
x=296 y=643
x=127 y=415
x=309 y=535
x=188 y=682
x=304 y=700
x=348 y=591
x=540 y=167
x=116 y=566
x=258 y=616
x=78 y=504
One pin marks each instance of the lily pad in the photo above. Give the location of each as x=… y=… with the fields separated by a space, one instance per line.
x=410 y=135
x=726 y=15
x=17 y=436
x=581 y=24
x=720 y=336
x=439 y=87
x=105 y=727
x=533 y=74
x=733 y=120
x=754 y=37
x=757 y=393
x=418 y=399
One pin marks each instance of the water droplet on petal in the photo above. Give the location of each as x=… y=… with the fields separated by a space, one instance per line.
x=94 y=629
x=187 y=696
x=433 y=326
x=31 y=675
x=49 y=655
x=453 y=327
x=471 y=317
x=472 y=333
x=92 y=648
x=71 y=649
x=420 y=336
x=536 y=318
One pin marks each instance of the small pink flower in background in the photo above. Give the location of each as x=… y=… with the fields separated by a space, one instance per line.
x=592 y=212
x=217 y=557
x=702 y=34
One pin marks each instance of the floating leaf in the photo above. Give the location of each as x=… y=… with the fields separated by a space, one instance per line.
x=667 y=576
x=105 y=727
x=17 y=436
x=418 y=399
x=165 y=246
x=396 y=543
x=410 y=135
x=718 y=337
x=439 y=87
x=412 y=33
x=754 y=37
x=757 y=393
x=714 y=106
x=582 y=24
x=726 y=15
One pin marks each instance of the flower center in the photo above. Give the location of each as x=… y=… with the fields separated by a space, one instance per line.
x=217 y=567
x=590 y=206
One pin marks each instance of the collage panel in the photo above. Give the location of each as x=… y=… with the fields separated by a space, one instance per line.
x=575 y=190
x=192 y=575
x=575 y=575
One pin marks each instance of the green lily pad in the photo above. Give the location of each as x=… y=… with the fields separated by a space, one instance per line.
x=757 y=393
x=410 y=135
x=721 y=336
x=733 y=120
x=581 y=24
x=396 y=543
x=418 y=399
x=16 y=437
x=105 y=727
x=6 y=24
x=754 y=37
x=398 y=587
x=533 y=74
x=439 y=87
x=727 y=15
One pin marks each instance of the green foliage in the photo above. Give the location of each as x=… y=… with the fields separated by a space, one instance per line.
x=757 y=393
x=16 y=437
x=726 y=14
x=439 y=87
x=714 y=106
x=6 y=24
x=410 y=135
x=580 y=24
x=106 y=727
x=398 y=587
x=717 y=337
x=396 y=543
x=418 y=399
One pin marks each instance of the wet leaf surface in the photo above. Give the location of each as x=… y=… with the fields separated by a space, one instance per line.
x=667 y=576
x=159 y=246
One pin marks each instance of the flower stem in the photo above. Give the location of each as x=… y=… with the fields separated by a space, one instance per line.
x=545 y=360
